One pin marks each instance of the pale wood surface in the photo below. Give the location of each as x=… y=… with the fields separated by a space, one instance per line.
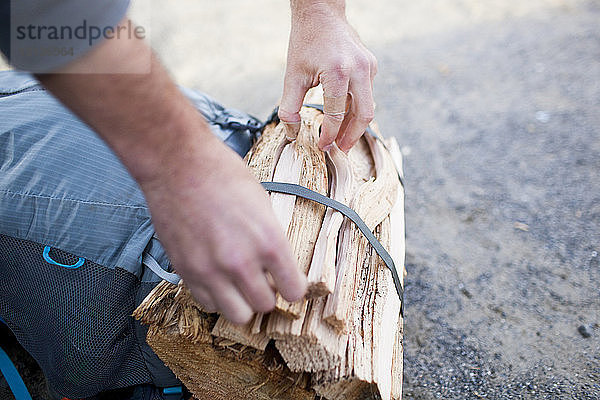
x=242 y=334
x=289 y=169
x=321 y=275
x=308 y=215
x=263 y=156
x=373 y=201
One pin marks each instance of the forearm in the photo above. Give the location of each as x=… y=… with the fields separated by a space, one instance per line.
x=313 y=14
x=300 y=5
x=214 y=220
x=143 y=116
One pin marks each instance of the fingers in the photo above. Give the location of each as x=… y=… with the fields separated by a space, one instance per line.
x=258 y=293
x=294 y=90
x=204 y=298
x=361 y=114
x=354 y=87
x=282 y=266
x=251 y=281
x=335 y=92
x=248 y=290
x=230 y=302
x=244 y=282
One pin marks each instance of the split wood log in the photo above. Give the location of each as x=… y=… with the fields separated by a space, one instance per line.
x=321 y=275
x=367 y=364
x=288 y=169
x=242 y=334
x=257 y=323
x=318 y=346
x=308 y=215
x=261 y=160
x=372 y=360
x=391 y=307
x=315 y=345
x=373 y=202
x=170 y=306
x=356 y=370
x=398 y=362
x=226 y=372
x=264 y=155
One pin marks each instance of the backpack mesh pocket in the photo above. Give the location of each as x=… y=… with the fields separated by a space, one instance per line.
x=75 y=322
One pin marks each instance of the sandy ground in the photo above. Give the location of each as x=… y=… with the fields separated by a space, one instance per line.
x=497 y=107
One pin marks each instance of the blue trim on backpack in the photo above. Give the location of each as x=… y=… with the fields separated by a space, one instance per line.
x=14 y=380
x=49 y=260
x=173 y=392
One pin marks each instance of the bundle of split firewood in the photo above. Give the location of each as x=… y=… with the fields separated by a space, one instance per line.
x=344 y=341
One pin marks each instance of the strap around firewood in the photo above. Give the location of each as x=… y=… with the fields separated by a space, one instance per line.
x=297 y=190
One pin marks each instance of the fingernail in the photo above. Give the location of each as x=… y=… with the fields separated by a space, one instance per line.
x=327 y=148
x=291 y=129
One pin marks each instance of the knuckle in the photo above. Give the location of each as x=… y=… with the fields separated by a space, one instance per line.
x=374 y=65
x=287 y=116
x=341 y=72
x=236 y=264
x=270 y=251
x=362 y=64
x=365 y=117
x=338 y=72
x=336 y=119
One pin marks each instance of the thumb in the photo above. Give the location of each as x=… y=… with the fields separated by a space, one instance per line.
x=294 y=91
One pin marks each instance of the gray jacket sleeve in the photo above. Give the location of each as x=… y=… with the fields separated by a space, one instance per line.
x=44 y=35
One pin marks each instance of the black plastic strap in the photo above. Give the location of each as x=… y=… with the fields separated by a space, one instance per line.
x=273 y=118
x=297 y=190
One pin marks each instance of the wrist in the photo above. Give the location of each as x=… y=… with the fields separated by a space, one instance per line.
x=185 y=143
x=308 y=9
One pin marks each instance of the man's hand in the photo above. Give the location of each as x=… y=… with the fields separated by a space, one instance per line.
x=325 y=49
x=213 y=218
x=217 y=224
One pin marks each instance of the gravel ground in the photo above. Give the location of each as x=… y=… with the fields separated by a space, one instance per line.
x=497 y=107
x=500 y=123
